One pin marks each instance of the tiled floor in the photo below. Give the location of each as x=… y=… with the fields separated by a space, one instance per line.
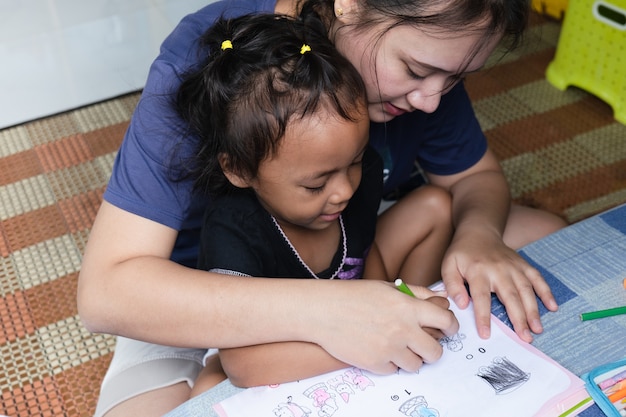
x=57 y=55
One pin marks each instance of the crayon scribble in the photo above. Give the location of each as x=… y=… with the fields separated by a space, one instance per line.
x=503 y=375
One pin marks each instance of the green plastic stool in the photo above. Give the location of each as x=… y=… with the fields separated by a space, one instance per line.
x=591 y=53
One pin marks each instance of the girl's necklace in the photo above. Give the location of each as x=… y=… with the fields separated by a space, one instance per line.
x=343 y=241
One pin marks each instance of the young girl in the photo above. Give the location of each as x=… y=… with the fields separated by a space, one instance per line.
x=138 y=278
x=283 y=128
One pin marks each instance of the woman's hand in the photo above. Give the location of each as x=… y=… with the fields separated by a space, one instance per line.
x=390 y=329
x=289 y=361
x=489 y=266
x=478 y=255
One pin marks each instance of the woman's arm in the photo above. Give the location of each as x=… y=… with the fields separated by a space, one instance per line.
x=129 y=287
x=478 y=254
x=289 y=361
x=276 y=363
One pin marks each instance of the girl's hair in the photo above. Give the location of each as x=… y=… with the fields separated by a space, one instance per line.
x=506 y=18
x=272 y=69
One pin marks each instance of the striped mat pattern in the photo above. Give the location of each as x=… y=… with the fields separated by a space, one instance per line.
x=52 y=175
x=560 y=150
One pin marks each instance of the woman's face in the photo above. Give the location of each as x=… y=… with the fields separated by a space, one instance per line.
x=407 y=68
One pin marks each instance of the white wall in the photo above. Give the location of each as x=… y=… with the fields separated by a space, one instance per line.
x=56 y=55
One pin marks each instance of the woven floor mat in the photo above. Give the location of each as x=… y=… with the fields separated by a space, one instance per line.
x=52 y=175
x=561 y=151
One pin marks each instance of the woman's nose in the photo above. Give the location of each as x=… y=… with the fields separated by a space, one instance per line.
x=426 y=101
x=427 y=95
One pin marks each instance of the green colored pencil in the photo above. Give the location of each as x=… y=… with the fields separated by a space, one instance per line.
x=403 y=287
x=603 y=313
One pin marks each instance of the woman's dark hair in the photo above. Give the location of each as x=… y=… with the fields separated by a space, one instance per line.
x=494 y=17
x=241 y=99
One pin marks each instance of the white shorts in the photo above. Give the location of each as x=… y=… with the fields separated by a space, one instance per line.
x=139 y=367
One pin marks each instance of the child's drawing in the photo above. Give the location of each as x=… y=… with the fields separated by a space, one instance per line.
x=418 y=407
x=341 y=387
x=453 y=343
x=322 y=399
x=503 y=375
x=290 y=409
x=355 y=377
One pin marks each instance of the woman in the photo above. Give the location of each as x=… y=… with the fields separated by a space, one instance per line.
x=138 y=279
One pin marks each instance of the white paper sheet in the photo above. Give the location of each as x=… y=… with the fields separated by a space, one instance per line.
x=498 y=377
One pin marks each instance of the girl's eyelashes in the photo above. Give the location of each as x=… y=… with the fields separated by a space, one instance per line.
x=315 y=190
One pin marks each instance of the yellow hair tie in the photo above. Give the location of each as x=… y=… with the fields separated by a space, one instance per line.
x=227 y=45
x=305 y=48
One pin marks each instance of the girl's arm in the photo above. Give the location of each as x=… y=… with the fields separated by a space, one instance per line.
x=276 y=363
x=479 y=255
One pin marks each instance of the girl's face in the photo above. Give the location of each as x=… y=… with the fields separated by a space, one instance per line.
x=409 y=69
x=315 y=171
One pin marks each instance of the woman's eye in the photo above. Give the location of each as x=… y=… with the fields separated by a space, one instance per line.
x=414 y=75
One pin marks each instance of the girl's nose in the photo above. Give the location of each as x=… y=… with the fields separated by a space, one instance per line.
x=343 y=190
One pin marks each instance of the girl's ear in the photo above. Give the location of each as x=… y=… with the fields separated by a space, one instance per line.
x=234 y=178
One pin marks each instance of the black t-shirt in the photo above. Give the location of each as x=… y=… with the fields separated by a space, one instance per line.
x=239 y=236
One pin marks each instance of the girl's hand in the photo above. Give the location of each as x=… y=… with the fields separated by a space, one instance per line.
x=488 y=265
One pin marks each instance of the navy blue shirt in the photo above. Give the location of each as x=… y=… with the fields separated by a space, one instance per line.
x=144 y=180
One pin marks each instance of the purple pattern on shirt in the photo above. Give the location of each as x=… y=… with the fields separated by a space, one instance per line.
x=352 y=268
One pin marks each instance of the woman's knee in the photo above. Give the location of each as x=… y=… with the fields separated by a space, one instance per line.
x=526 y=225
